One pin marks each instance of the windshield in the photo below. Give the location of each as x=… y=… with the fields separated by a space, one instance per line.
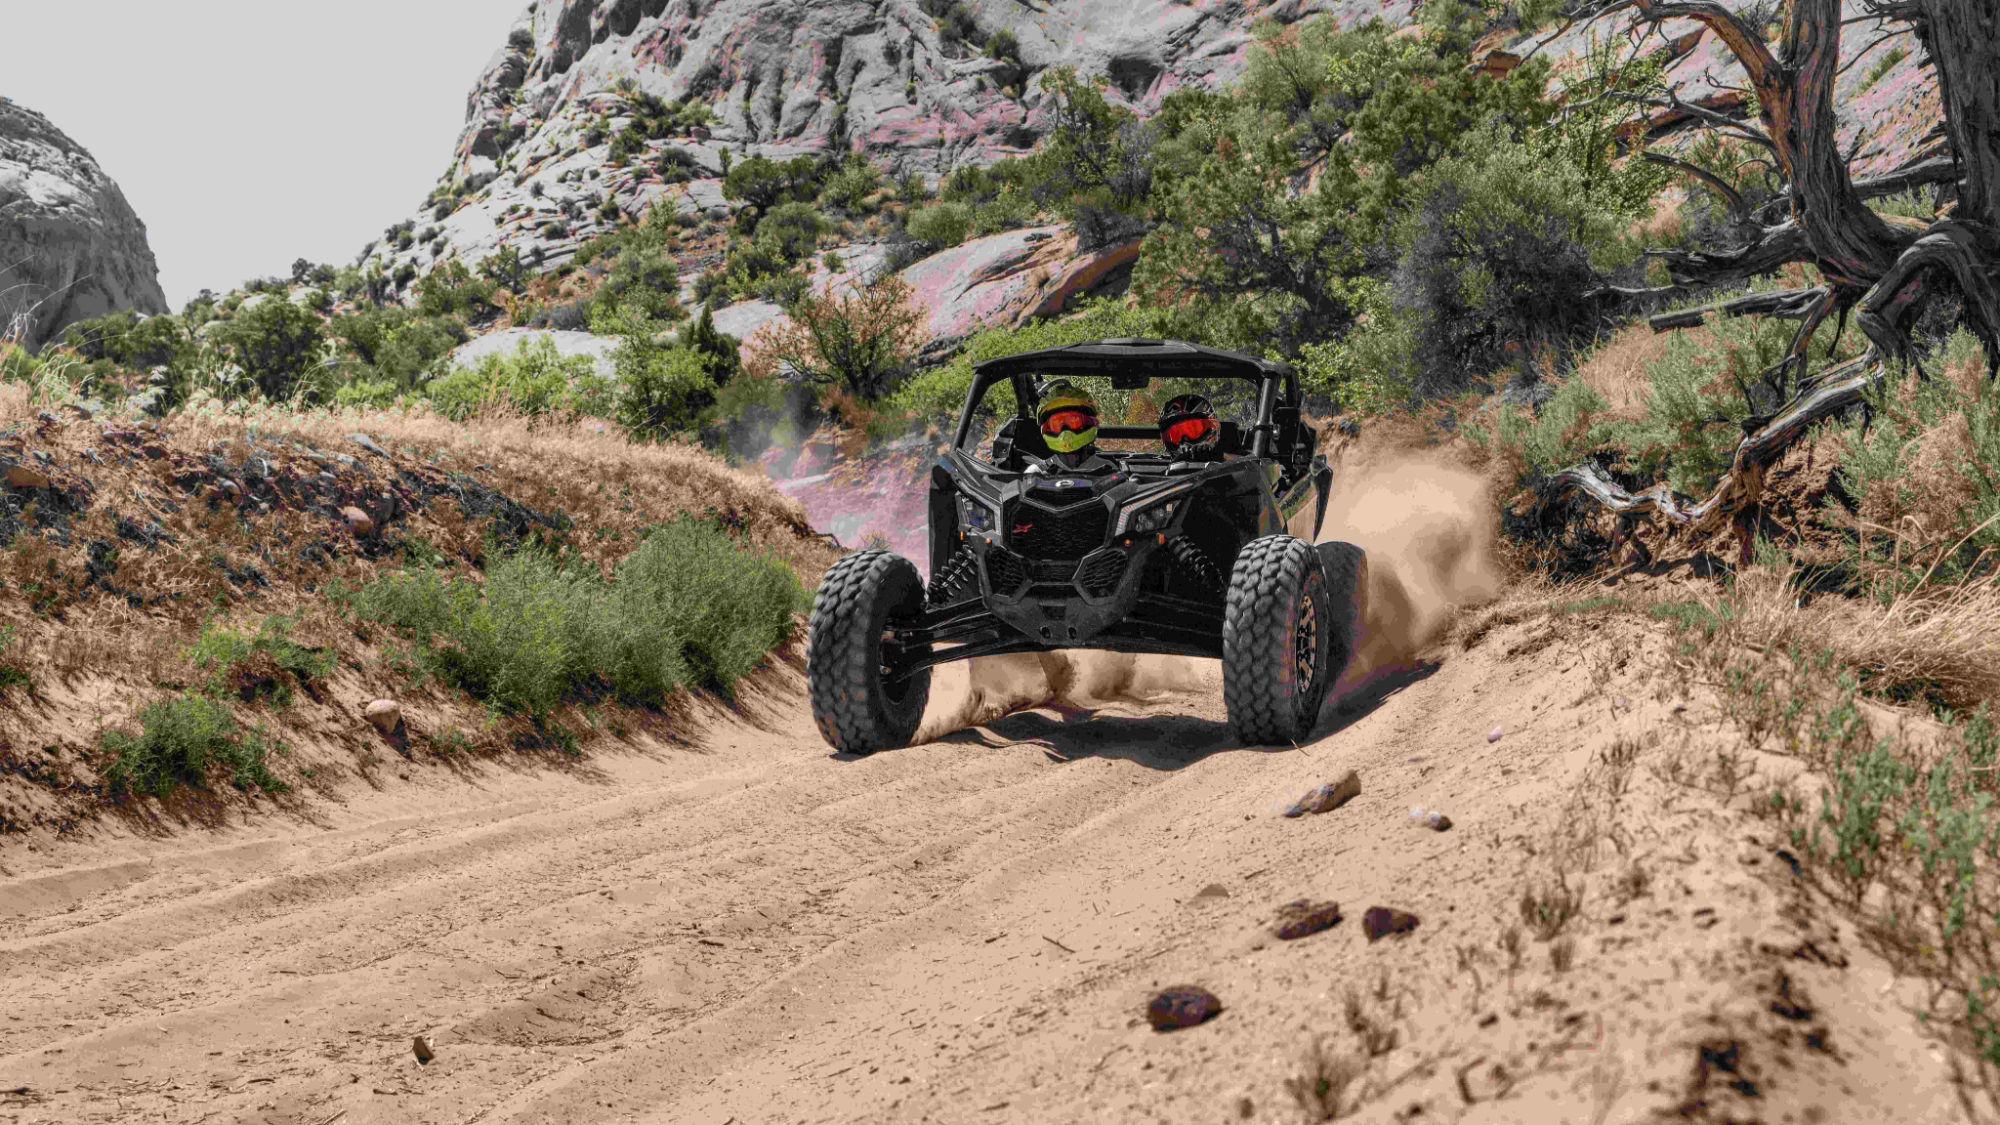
x=1135 y=412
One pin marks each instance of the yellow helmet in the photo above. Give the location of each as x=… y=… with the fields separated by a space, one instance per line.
x=1067 y=416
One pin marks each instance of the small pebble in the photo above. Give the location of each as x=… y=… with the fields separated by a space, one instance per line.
x=1493 y=735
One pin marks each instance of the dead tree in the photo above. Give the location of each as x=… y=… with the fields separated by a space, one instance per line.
x=1885 y=274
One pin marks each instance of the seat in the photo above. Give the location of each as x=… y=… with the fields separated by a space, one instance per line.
x=1018 y=439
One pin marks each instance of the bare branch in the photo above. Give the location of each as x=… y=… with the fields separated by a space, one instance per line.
x=1835 y=391
x=1738 y=209
x=1785 y=304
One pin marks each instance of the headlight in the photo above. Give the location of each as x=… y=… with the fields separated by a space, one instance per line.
x=1147 y=520
x=975 y=515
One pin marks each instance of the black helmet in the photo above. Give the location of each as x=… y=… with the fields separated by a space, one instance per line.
x=1189 y=428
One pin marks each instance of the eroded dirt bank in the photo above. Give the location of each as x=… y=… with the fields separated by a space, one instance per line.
x=755 y=931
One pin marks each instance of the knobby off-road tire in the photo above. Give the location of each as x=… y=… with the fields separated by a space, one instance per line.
x=857 y=706
x=1276 y=626
x=1346 y=567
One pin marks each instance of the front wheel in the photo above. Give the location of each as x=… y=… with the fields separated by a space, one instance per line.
x=863 y=697
x=1277 y=641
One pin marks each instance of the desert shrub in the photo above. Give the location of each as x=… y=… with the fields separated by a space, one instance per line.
x=264 y=663
x=689 y=608
x=535 y=380
x=1882 y=67
x=640 y=293
x=130 y=342
x=860 y=340
x=570 y=316
x=790 y=233
x=712 y=288
x=849 y=188
x=720 y=352
x=277 y=344
x=940 y=225
x=182 y=740
x=1497 y=250
x=764 y=183
x=1928 y=456
x=661 y=390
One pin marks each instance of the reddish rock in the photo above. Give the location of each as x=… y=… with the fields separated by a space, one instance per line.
x=26 y=476
x=1381 y=921
x=1305 y=918
x=1181 y=1006
x=1328 y=797
x=358 y=521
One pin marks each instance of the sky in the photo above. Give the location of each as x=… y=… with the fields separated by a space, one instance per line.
x=250 y=133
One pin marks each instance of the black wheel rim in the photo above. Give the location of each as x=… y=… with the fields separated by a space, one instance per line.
x=1305 y=647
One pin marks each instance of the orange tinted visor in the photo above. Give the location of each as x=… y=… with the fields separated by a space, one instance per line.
x=1191 y=430
x=1069 y=420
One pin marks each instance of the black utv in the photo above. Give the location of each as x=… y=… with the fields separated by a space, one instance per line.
x=1128 y=550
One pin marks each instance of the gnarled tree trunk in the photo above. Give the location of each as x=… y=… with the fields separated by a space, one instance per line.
x=1889 y=272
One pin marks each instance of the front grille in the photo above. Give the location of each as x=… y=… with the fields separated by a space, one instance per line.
x=1057 y=572
x=1067 y=534
x=1006 y=573
x=1100 y=576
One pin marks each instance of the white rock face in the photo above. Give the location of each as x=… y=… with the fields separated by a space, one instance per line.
x=70 y=246
x=510 y=340
x=785 y=77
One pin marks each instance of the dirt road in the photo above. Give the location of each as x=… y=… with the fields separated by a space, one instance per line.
x=966 y=931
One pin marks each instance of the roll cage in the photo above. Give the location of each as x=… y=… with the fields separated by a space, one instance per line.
x=1131 y=363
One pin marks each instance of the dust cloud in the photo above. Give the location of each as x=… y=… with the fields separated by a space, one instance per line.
x=1428 y=529
x=985 y=688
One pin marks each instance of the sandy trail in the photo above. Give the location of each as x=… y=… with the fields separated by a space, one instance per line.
x=964 y=931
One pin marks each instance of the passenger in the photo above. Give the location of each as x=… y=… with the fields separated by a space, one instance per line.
x=1190 y=430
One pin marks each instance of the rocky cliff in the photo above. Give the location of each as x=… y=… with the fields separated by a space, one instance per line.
x=918 y=85
x=70 y=246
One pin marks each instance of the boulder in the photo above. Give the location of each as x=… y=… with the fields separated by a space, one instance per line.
x=70 y=246
x=384 y=715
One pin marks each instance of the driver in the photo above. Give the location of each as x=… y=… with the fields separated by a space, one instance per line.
x=1189 y=429
x=1068 y=419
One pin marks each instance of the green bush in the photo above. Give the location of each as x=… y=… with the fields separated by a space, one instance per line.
x=688 y=608
x=267 y=662
x=661 y=390
x=181 y=741
x=279 y=346
x=941 y=224
x=850 y=187
x=535 y=380
x=450 y=289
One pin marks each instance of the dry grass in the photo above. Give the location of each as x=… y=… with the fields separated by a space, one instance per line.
x=1322 y=1088
x=1548 y=907
x=584 y=466
x=1619 y=370
x=1941 y=642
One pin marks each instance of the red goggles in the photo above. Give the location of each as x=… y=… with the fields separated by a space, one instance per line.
x=1069 y=421
x=1193 y=431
